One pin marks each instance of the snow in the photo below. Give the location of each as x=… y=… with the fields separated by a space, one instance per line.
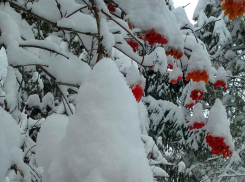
x=198 y=115
x=101 y=133
x=218 y=124
x=153 y=14
x=221 y=30
x=10 y=152
x=144 y=120
x=52 y=132
x=181 y=167
x=10 y=89
x=199 y=8
x=71 y=71
x=33 y=101
x=3 y=63
x=133 y=77
x=175 y=73
x=182 y=18
x=157 y=108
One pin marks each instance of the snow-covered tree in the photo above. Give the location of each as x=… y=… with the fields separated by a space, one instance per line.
x=73 y=73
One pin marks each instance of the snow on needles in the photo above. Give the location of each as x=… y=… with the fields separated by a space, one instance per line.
x=103 y=139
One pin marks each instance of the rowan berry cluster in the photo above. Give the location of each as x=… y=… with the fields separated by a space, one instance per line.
x=137 y=91
x=173 y=81
x=197 y=76
x=196 y=95
x=175 y=53
x=218 y=146
x=190 y=105
x=220 y=83
x=153 y=38
x=197 y=126
x=133 y=44
x=233 y=8
x=170 y=66
x=111 y=8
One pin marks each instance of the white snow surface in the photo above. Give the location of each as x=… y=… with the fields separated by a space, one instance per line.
x=10 y=152
x=103 y=139
x=181 y=167
x=198 y=115
x=3 y=63
x=48 y=143
x=182 y=18
x=218 y=124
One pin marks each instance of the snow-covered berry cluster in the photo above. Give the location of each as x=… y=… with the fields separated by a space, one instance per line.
x=197 y=95
x=175 y=53
x=133 y=44
x=197 y=76
x=111 y=8
x=218 y=145
x=197 y=126
x=190 y=105
x=155 y=38
x=170 y=66
x=220 y=83
x=173 y=81
x=233 y=8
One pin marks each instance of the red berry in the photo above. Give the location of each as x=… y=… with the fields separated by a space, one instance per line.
x=170 y=66
x=111 y=8
x=138 y=92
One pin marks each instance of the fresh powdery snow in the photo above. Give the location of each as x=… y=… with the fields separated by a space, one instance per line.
x=218 y=124
x=48 y=143
x=10 y=152
x=103 y=139
x=3 y=63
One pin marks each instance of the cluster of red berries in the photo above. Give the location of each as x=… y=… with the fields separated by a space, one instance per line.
x=197 y=76
x=133 y=44
x=153 y=38
x=150 y=67
x=111 y=8
x=220 y=83
x=218 y=146
x=173 y=81
x=197 y=126
x=233 y=8
x=137 y=91
x=170 y=66
x=190 y=105
x=196 y=95
x=175 y=53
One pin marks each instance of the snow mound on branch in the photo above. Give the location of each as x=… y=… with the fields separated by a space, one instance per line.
x=48 y=9
x=198 y=116
x=181 y=167
x=103 y=139
x=218 y=124
x=3 y=63
x=11 y=89
x=48 y=143
x=71 y=71
x=199 y=8
x=10 y=152
x=182 y=18
x=134 y=78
